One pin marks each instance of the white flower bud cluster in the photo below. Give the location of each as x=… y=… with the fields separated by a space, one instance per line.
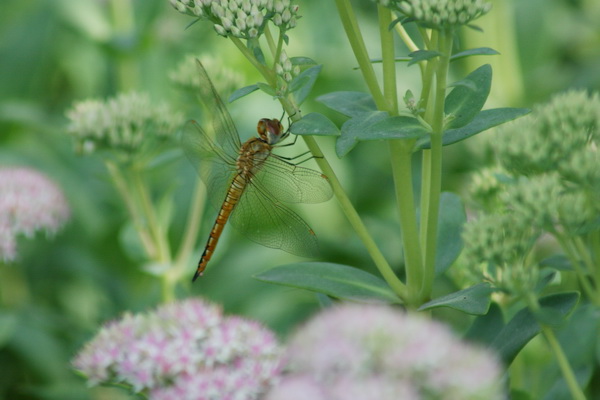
x=285 y=70
x=439 y=14
x=241 y=18
x=123 y=122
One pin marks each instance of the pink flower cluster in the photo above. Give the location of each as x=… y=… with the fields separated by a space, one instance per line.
x=184 y=350
x=29 y=202
x=375 y=352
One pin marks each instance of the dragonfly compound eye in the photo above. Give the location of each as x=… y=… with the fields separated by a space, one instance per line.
x=270 y=130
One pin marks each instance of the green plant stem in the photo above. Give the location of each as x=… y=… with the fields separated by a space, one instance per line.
x=561 y=358
x=382 y=265
x=572 y=254
x=586 y=257
x=595 y=249
x=346 y=205
x=563 y=363
x=124 y=191
x=410 y=44
x=270 y=42
x=191 y=231
x=163 y=255
x=401 y=162
x=264 y=71
x=122 y=16
x=357 y=43
x=433 y=181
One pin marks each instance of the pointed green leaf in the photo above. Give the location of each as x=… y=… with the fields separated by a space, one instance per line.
x=523 y=326
x=485 y=120
x=353 y=128
x=315 y=124
x=246 y=90
x=267 y=89
x=302 y=84
x=378 y=126
x=450 y=226
x=303 y=61
x=422 y=55
x=486 y=327
x=463 y=103
x=480 y=51
x=474 y=300
x=350 y=104
x=559 y=262
x=335 y=280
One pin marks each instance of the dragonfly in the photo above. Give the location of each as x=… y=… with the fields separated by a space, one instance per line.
x=248 y=183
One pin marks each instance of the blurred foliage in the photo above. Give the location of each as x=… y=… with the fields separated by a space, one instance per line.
x=55 y=52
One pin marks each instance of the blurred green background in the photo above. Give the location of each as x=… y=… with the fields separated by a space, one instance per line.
x=55 y=52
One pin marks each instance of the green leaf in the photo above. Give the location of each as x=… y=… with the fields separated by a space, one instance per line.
x=377 y=126
x=246 y=90
x=523 y=326
x=335 y=280
x=302 y=61
x=474 y=300
x=354 y=127
x=480 y=51
x=267 y=89
x=315 y=124
x=450 y=226
x=302 y=84
x=486 y=327
x=485 y=120
x=422 y=55
x=350 y=104
x=559 y=262
x=464 y=103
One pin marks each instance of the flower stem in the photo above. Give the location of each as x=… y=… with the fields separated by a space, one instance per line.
x=122 y=15
x=357 y=43
x=563 y=363
x=401 y=161
x=123 y=188
x=561 y=358
x=191 y=231
x=433 y=181
x=566 y=243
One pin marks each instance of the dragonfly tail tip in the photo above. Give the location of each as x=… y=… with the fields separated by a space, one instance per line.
x=196 y=275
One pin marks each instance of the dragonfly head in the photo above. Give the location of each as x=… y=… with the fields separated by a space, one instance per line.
x=270 y=130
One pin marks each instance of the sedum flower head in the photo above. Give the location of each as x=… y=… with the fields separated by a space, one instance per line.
x=532 y=201
x=29 y=202
x=581 y=168
x=125 y=122
x=498 y=239
x=440 y=14
x=551 y=135
x=376 y=352
x=186 y=74
x=244 y=19
x=184 y=350
x=486 y=186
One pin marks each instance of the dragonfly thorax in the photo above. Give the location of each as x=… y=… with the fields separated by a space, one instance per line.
x=252 y=155
x=270 y=130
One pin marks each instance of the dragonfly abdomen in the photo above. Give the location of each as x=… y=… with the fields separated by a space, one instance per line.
x=233 y=196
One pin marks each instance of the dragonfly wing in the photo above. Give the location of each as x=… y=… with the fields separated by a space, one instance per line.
x=272 y=224
x=226 y=133
x=215 y=167
x=291 y=183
